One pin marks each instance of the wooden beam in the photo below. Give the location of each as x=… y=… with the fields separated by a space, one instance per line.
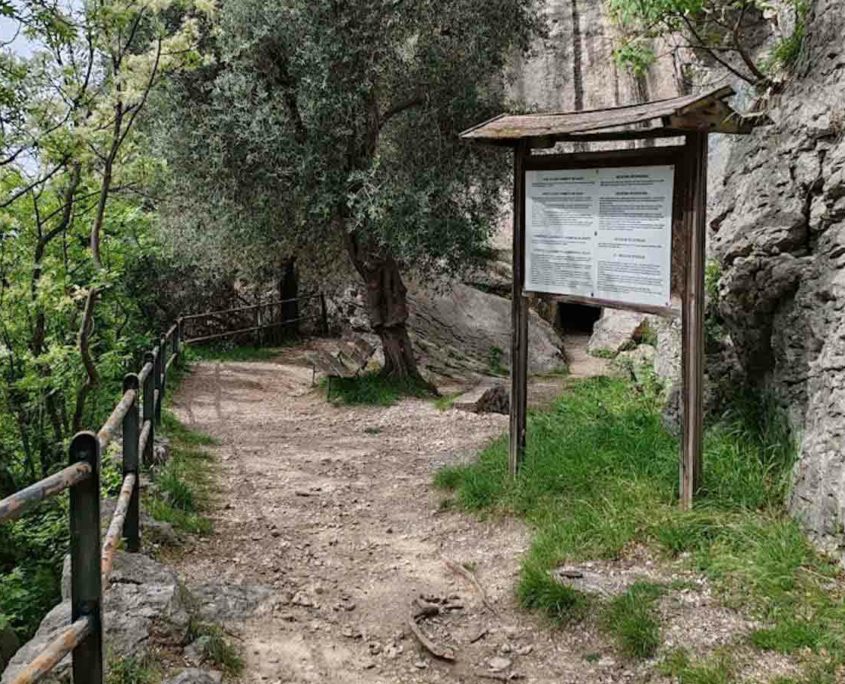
x=695 y=212
x=519 y=319
x=665 y=311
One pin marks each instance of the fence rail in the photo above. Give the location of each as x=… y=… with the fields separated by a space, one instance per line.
x=261 y=318
x=135 y=416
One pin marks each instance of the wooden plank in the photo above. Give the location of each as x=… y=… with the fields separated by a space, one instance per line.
x=521 y=126
x=666 y=311
x=695 y=211
x=519 y=319
x=651 y=156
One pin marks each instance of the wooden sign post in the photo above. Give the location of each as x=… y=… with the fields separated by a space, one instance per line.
x=621 y=228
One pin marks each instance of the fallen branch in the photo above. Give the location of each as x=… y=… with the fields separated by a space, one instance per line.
x=473 y=580
x=442 y=652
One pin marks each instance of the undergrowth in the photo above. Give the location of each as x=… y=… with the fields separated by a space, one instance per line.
x=185 y=483
x=215 y=648
x=373 y=389
x=600 y=475
x=132 y=670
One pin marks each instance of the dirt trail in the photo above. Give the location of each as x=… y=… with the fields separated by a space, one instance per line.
x=332 y=508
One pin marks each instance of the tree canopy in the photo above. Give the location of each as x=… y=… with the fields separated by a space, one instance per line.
x=326 y=126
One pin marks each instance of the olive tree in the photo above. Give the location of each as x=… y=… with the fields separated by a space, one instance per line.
x=329 y=125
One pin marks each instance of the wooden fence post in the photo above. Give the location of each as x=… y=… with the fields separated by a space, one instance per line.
x=159 y=373
x=695 y=218
x=519 y=319
x=86 y=591
x=177 y=339
x=148 y=407
x=131 y=433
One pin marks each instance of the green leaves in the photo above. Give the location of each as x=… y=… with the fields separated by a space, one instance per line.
x=343 y=119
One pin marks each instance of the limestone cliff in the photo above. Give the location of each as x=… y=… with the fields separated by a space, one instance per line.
x=778 y=232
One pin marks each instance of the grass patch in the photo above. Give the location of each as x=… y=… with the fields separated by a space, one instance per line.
x=632 y=620
x=601 y=475
x=132 y=670
x=446 y=401
x=185 y=484
x=373 y=389
x=215 y=648
x=718 y=669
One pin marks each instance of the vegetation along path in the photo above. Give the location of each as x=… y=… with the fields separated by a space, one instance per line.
x=330 y=514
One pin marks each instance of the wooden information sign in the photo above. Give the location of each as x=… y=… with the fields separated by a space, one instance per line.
x=621 y=228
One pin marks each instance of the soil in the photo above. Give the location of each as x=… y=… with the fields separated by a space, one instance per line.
x=332 y=508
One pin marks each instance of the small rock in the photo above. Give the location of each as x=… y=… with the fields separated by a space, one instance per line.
x=302 y=599
x=524 y=650
x=498 y=664
x=193 y=675
x=421 y=665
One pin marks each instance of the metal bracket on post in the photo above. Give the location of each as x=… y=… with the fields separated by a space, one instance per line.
x=148 y=407
x=131 y=462
x=86 y=591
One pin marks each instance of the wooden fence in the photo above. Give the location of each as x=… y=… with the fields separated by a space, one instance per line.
x=136 y=416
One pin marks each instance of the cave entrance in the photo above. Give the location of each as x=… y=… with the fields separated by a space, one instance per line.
x=577 y=319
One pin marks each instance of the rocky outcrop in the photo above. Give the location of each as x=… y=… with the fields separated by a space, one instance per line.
x=458 y=330
x=144 y=599
x=616 y=330
x=778 y=233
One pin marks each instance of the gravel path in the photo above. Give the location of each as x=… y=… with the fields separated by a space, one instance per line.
x=332 y=508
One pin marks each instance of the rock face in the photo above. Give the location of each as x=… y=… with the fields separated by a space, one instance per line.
x=144 y=599
x=458 y=329
x=485 y=398
x=615 y=330
x=779 y=235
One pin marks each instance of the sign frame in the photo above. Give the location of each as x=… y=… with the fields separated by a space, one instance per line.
x=655 y=156
x=687 y=283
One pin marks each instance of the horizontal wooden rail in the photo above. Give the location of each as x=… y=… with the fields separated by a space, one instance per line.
x=244 y=331
x=113 y=534
x=107 y=432
x=145 y=371
x=251 y=307
x=92 y=558
x=17 y=504
x=145 y=435
x=56 y=651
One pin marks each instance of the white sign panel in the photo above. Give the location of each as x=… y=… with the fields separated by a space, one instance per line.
x=600 y=233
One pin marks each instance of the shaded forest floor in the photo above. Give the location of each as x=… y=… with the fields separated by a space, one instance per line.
x=332 y=509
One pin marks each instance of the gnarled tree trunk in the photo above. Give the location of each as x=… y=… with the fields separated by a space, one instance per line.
x=387 y=306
